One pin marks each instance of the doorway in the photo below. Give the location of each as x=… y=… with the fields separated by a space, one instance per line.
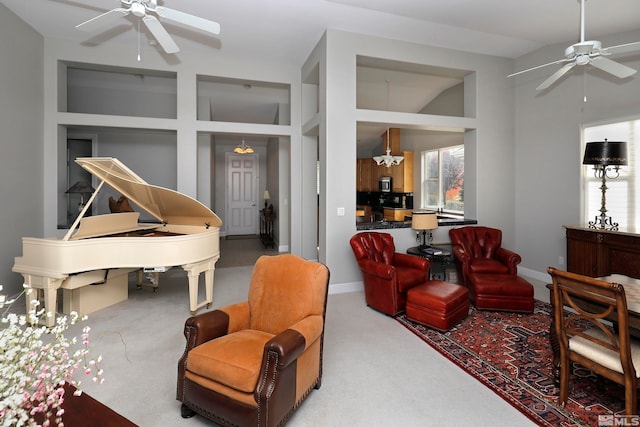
x=242 y=193
x=77 y=177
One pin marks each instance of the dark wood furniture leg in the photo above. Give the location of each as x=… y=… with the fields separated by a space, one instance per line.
x=553 y=340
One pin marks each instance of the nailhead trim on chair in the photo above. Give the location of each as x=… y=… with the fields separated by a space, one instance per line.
x=298 y=403
x=270 y=385
x=215 y=418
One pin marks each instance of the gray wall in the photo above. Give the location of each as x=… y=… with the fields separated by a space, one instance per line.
x=522 y=148
x=489 y=148
x=21 y=133
x=547 y=142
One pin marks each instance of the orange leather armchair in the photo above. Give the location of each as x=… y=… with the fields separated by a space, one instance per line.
x=254 y=362
x=479 y=250
x=387 y=274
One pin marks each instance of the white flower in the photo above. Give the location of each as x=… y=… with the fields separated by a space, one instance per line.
x=36 y=362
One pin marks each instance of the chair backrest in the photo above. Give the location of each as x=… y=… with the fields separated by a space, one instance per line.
x=477 y=241
x=285 y=289
x=593 y=303
x=377 y=247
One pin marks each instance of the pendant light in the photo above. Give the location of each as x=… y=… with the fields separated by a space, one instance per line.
x=243 y=148
x=388 y=160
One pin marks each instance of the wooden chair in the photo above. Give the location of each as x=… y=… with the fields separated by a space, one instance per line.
x=601 y=348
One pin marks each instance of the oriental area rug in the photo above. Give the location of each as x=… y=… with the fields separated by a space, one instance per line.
x=510 y=354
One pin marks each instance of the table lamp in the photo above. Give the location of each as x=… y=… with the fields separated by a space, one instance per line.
x=606 y=158
x=424 y=221
x=266 y=196
x=82 y=188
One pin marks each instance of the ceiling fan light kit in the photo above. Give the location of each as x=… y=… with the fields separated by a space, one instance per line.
x=144 y=10
x=587 y=52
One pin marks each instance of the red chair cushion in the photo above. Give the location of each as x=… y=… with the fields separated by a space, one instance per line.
x=488 y=265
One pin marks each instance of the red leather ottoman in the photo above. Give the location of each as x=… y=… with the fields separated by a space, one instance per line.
x=505 y=292
x=437 y=304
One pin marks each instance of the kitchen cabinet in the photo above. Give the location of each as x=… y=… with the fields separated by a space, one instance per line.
x=368 y=173
x=393 y=214
x=364 y=175
x=402 y=174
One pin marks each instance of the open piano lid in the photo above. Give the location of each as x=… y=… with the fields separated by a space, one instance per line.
x=167 y=206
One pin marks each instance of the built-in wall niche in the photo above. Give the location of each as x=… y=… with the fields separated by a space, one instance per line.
x=387 y=85
x=149 y=153
x=395 y=86
x=118 y=91
x=243 y=101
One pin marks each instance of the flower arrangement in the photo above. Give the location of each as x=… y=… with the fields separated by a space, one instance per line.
x=36 y=362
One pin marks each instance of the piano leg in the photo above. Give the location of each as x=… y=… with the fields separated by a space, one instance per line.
x=208 y=286
x=49 y=287
x=193 y=272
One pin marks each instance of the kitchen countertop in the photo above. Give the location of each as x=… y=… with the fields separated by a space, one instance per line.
x=387 y=225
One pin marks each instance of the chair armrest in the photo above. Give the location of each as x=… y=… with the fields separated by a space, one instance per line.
x=411 y=261
x=379 y=269
x=509 y=258
x=462 y=257
x=213 y=324
x=287 y=345
x=292 y=342
x=463 y=262
x=205 y=327
x=460 y=254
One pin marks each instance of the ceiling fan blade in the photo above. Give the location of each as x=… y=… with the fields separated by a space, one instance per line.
x=612 y=67
x=559 y=61
x=160 y=34
x=556 y=76
x=187 y=19
x=622 y=48
x=99 y=21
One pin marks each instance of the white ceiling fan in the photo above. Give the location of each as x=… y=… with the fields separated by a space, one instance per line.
x=141 y=9
x=587 y=52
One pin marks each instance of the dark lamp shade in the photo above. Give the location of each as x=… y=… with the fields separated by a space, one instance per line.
x=81 y=187
x=424 y=221
x=605 y=153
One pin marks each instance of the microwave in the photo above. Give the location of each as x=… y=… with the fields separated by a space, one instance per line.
x=384 y=184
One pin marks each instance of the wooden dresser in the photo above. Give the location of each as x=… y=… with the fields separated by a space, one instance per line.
x=595 y=252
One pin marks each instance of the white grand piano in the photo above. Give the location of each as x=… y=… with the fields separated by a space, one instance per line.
x=186 y=234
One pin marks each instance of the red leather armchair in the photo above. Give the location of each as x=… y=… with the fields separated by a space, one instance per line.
x=478 y=250
x=387 y=274
x=489 y=271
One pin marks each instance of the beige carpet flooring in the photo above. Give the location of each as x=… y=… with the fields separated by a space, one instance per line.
x=376 y=373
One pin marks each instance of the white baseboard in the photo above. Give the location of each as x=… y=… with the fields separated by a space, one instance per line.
x=341 y=288
x=543 y=277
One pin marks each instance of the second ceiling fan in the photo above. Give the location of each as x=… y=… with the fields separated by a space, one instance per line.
x=587 y=52
x=145 y=9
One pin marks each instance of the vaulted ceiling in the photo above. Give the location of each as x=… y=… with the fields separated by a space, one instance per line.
x=285 y=31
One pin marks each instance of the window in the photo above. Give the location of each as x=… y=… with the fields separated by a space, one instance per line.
x=621 y=203
x=443 y=179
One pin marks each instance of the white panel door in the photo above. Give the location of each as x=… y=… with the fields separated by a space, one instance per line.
x=242 y=173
